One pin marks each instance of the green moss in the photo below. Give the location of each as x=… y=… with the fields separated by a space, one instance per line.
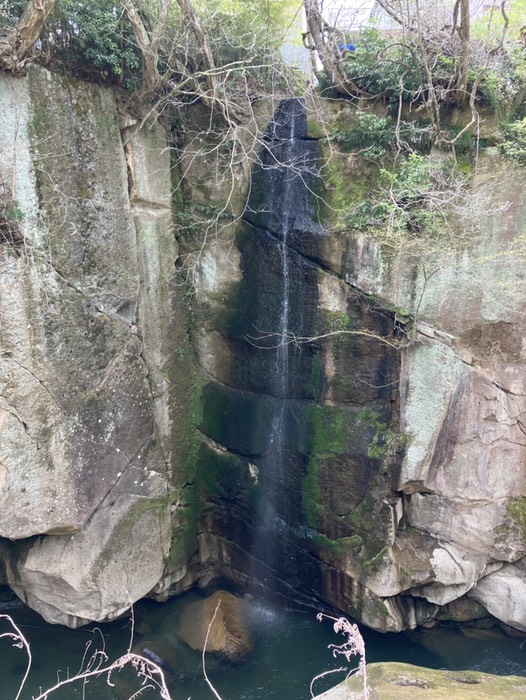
x=327 y=431
x=327 y=435
x=385 y=442
x=315 y=129
x=339 y=546
x=382 y=610
x=396 y=681
x=517 y=511
x=376 y=559
x=335 y=320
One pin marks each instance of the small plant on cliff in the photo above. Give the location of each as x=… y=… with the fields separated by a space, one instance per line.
x=93 y=41
x=10 y=218
x=514 y=147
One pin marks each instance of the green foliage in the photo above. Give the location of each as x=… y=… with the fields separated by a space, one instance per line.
x=515 y=145
x=411 y=196
x=248 y=33
x=379 y=65
x=92 y=40
x=10 y=12
x=386 y=442
x=376 y=137
x=373 y=135
x=238 y=28
x=396 y=67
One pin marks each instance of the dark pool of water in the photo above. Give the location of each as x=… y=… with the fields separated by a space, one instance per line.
x=291 y=648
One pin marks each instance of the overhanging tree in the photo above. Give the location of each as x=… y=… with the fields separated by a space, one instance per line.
x=424 y=54
x=19 y=39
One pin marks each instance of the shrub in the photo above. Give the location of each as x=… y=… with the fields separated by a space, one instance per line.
x=92 y=40
x=515 y=145
x=413 y=197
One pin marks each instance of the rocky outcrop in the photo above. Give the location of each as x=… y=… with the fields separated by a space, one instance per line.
x=86 y=306
x=382 y=473
x=463 y=398
x=394 y=681
x=406 y=456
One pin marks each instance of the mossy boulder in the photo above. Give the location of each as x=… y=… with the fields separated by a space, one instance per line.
x=395 y=681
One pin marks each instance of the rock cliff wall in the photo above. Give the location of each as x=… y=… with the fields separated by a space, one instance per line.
x=86 y=352
x=140 y=433
x=406 y=447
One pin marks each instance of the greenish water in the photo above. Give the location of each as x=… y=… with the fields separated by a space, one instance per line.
x=291 y=648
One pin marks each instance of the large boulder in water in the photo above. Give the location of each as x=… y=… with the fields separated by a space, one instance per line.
x=221 y=615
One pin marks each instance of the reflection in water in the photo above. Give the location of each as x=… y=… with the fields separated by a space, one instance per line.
x=290 y=649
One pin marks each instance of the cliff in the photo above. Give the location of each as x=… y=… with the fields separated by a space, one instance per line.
x=86 y=352
x=283 y=403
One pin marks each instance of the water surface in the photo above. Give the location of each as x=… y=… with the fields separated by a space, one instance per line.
x=291 y=648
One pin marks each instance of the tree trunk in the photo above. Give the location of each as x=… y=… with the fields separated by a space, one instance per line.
x=20 y=40
x=152 y=80
x=318 y=30
x=464 y=34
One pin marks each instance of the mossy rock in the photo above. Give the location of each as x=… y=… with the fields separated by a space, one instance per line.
x=395 y=681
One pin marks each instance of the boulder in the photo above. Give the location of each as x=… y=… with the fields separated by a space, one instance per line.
x=217 y=623
x=503 y=594
x=394 y=681
x=98 y=573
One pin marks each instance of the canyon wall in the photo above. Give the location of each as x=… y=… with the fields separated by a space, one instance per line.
x=151 y=437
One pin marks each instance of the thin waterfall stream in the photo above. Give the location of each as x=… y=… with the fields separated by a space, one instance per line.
x=277 y=436
x=285 y=165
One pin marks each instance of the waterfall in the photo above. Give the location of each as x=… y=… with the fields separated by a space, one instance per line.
x=285 y=166
x=286 y=208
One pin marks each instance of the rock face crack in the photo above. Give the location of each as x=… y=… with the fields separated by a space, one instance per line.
x=506 y=390
x=9 y=408
x=316 y=262
x=40 y=382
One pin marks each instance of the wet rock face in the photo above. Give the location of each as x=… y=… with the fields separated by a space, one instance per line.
x=395 y=542
x=85 y=307
x=296 y=432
